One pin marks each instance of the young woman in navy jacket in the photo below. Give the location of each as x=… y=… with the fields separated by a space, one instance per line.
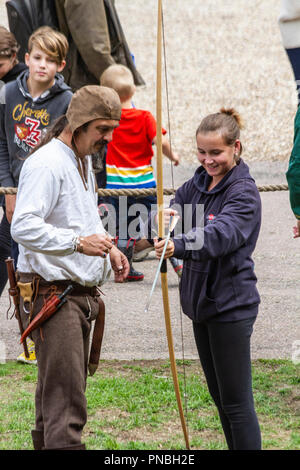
x=218 y=286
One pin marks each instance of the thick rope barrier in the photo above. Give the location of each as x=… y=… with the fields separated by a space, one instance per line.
x=152 y=191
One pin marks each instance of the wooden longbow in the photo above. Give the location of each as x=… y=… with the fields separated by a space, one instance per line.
x=161 y=231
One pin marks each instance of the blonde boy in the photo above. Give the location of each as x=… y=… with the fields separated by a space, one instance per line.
x=121 y=79
x=29 y=104
x=46 y=56
x=129 y=155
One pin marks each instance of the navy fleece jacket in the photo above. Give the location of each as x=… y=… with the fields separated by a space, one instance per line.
x=218 y=281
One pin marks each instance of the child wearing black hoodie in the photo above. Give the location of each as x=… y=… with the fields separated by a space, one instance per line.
x=218 y=286
x=28 y=105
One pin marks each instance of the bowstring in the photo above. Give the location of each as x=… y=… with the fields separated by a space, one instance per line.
x=167 y=90
x=173 y=187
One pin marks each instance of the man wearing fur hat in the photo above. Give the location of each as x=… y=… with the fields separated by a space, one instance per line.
x=62 y=242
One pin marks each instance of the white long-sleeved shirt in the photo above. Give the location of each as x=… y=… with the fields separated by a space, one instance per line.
x=52 y=208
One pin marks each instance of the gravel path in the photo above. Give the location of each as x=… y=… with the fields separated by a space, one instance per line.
x=218 y=53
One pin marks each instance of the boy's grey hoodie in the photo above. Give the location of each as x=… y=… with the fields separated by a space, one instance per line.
x=23 y=120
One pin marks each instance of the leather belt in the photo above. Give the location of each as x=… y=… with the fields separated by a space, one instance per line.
x=61 y=285
x=44 y=287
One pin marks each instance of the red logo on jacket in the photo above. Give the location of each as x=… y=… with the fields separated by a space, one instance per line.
x=22 y=131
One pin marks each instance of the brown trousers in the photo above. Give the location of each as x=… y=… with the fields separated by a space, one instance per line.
x=62 y=349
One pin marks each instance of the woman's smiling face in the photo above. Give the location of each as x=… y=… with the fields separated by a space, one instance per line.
x=215 y=155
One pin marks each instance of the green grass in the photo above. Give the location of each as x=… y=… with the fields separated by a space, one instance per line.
x=131 y=405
